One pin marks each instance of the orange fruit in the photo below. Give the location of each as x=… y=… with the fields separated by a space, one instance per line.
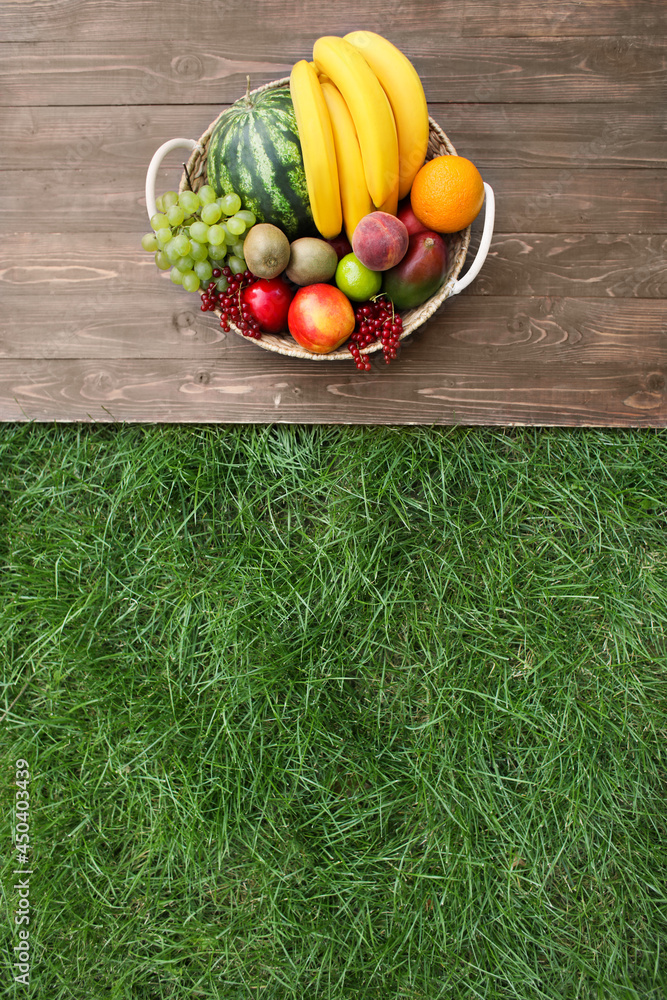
x=447 y=194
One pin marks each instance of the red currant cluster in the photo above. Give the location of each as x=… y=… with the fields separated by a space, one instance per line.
x=375 y=320
x=229 y=301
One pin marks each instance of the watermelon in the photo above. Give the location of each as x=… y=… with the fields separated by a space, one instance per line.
x=254 y=151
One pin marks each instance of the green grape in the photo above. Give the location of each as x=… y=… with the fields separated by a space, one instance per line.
x=230 y=204
x=203 y=269
x=207 y=195
x=183 y=244
x=159 y=220
x=214 y=262
x=184 y=263
x=210 y=214
x=175 y=214
x=169 y=198
x=190 y=281
x=216 y=253
x=199 y=232
x=222 y=284
x=159 y=204
x=149 y=242
x=237 y=250
x=172 y=251
x=162 y=260
x=176 y=276
x=248 y=217
x=163 y=236
x=189 y=201
x=198 y=251
x=216 y=235
x=230 y=239
x=236 y=265
x=236 y=225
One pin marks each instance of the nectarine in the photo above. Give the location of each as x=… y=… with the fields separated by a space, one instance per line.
x=380 y=241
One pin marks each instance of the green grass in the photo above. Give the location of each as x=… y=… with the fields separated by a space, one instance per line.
x=337 y=713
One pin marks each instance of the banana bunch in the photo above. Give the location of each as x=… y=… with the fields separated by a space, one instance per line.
x=363 y=124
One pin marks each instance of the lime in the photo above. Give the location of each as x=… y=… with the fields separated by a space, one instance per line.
x=359 y=283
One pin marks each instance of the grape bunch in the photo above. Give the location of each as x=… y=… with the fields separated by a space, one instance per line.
x=375 y=319
x=197 y=233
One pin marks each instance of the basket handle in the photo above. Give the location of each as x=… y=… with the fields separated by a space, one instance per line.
x=154 y=166
x=484 y=243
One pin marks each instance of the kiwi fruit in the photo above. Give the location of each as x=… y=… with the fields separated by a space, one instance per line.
x=266 y=250
x=311 y=261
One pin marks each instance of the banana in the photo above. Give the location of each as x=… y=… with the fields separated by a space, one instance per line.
x=391 y=204
x=317 y=147
x=320 y=76
x=403 y=87
x=370 y=109
x=356 y=201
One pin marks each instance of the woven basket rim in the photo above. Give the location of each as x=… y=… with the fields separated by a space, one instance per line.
x=194 y=176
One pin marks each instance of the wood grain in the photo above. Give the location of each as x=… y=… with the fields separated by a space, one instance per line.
x=170 y=390
x=579 y=265
x=256 y=22
x=493 y=70
x=542 y=135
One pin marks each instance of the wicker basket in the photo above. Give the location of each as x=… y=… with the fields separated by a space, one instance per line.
x=457 y=243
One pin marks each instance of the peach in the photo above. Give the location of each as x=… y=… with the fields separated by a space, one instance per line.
x=320 y=318
x=380 y=241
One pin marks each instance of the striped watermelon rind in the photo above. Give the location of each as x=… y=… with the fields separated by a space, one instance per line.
x=254 y=151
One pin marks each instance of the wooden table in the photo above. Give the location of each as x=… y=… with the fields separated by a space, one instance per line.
x=561 y=105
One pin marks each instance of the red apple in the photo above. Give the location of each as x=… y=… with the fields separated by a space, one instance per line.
x=408 y=218
x=269 y=300
x=341 y=245
x=320 y=318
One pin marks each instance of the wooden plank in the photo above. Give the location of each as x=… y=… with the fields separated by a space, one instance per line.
x=225 y=20
x=192 y=392
x=537 y=200
x=476 y=70
x=575 y=264
x=580 y=199
x=571 y=136
x=542 y=135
